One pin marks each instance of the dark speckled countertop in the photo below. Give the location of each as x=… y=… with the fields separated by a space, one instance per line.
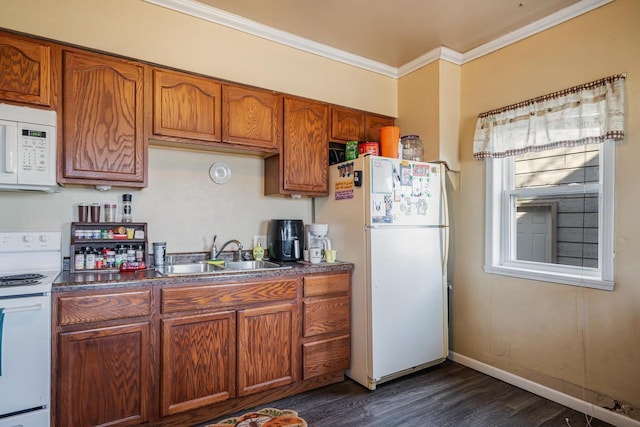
x=97 y=280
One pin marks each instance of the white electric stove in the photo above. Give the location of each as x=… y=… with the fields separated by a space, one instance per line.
x=29 y=263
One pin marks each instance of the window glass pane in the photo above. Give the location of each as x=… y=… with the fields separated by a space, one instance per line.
x=559 y=229
x=561 y=166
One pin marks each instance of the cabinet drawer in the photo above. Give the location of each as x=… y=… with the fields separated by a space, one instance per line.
x=92 y=308
x=326 y=315
x=214 y=296
x=326 y=356
x=324 y=285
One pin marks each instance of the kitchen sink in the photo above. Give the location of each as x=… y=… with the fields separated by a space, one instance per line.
x=253 y=265
x=202 y=267
x=192 y=268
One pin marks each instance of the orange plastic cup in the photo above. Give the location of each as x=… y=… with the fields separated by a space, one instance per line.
x=389 y=138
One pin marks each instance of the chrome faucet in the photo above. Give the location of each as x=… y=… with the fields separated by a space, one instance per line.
x=236 y=257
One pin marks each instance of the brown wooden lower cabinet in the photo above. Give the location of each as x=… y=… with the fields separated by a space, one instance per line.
x=198 y=361
x=267 y=353
x=183 y=354
x=104 y=376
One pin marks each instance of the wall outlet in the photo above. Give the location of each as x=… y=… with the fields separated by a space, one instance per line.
x=262 y=239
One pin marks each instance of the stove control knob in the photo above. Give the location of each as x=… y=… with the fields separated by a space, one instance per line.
x=26 y=238
x=43 y=238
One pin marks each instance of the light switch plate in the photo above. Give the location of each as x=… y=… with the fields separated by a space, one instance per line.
x=262 y=239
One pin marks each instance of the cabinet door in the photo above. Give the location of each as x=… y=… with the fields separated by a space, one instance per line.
x=25 y=70
x=186 y=107
x=268 y=351
x=198 y=361
x=103 y=376
x=251 y=117
x=373 y=123
x=305 y=154
x=103 y=140
x=347 y=124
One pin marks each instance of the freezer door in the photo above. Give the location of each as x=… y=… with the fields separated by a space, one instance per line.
x=407 y=299
x=404 y=193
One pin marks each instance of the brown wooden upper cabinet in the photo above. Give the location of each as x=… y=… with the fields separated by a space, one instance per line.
x=347 y=124
x=251 y=117
x=302 y=166
x=186 y=107
x=103 y=139
x=26 y=70
x=372 y=125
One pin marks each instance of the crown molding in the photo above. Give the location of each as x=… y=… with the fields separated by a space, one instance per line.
x=221 y=17
x=438 y=53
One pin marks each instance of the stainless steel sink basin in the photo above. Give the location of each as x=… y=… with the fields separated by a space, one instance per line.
x=193 y=268
x=253 y=265
x=202 y=267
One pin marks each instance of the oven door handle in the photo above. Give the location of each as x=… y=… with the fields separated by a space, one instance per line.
x=33 y=307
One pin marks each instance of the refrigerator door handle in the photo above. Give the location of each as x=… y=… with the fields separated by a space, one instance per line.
x=444 y=199
x=445 y=248
x=445 y=212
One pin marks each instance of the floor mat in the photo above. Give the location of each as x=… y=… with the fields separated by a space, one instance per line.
x=267 y=417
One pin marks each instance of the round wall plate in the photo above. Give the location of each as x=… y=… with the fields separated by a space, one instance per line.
x=220 y=172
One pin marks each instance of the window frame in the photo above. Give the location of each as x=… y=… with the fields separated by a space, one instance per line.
x=500 y=231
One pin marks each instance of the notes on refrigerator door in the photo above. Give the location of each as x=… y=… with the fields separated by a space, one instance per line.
x=381 y=176
x=344 y=185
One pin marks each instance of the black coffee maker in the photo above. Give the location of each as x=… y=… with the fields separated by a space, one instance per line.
x=285 y=239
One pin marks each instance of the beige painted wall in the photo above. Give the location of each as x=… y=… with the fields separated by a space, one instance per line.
x=419 y=108
x=429 y=106
x=181 y=204
x=583 y=342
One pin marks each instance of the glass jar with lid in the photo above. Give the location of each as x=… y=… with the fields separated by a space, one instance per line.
x=412 y=148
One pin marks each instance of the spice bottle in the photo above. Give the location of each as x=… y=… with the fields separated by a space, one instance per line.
x=110 y=212
x=89 y=259
x=79 y=260
x=126 y=208
x=120 y=256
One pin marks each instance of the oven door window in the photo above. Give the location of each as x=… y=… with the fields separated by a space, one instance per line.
x=26 y=353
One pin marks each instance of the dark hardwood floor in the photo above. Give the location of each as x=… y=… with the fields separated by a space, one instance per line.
x=449 y=394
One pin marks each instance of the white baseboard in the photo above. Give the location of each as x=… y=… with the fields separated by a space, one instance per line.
x=546 y=392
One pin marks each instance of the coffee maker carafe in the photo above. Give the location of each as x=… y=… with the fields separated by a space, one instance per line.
x=317 y=236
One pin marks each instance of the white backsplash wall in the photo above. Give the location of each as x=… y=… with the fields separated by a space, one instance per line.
x=181 y=204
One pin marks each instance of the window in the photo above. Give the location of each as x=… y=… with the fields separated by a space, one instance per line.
x=550 y=215
x=550 y=184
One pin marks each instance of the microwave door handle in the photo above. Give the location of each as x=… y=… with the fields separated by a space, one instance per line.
x=6 y=138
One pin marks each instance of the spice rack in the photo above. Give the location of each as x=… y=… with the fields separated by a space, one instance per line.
x=98 y=236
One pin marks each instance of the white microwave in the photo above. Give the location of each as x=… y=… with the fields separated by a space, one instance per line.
x=27 y=149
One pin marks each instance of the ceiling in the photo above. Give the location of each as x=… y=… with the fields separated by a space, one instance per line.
x=386 y=33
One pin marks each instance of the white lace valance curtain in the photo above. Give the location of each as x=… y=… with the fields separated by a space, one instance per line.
x=589 y=113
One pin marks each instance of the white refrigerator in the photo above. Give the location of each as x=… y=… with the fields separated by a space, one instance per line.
x=389 y=218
